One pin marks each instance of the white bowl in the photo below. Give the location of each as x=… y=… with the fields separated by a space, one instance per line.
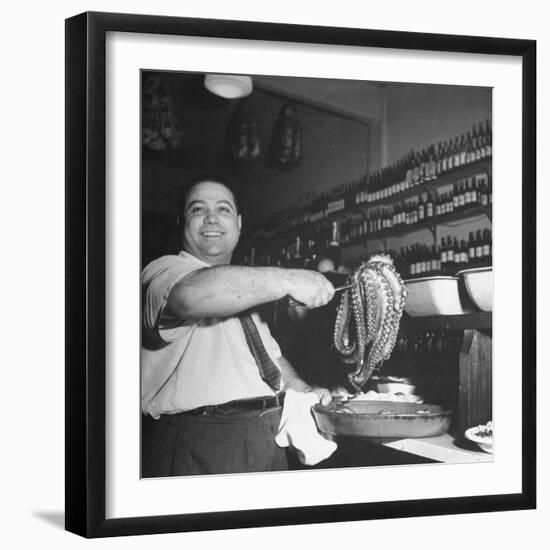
x=479 y=284
x=484 y=443
x=433 y=296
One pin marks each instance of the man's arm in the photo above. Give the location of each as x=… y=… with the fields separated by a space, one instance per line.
x=221 y=291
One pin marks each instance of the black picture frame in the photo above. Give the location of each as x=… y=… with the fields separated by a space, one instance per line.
x=86 y=268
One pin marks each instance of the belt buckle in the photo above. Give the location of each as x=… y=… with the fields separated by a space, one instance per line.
x=270 y=404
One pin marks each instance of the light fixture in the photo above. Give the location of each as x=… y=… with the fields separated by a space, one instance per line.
x=228 y=85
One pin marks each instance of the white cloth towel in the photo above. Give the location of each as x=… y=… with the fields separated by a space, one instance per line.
x=299 y=431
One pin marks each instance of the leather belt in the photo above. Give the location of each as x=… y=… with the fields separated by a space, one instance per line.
x=240 y=405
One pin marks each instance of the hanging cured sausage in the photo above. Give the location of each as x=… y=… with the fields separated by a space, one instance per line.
x=244 y=135
x=285 y=150
x=161 y=129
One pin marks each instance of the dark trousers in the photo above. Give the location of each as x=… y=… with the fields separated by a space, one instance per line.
x=186 y=444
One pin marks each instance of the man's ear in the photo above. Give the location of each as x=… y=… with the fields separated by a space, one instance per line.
x=240 y=221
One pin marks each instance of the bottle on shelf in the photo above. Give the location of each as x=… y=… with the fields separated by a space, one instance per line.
x=462 y=151
x=470 y=155
x=469 y=195
x=455 y=153
x=471 y=248
x=479 y=247
x=415 y=170
x=284 y=259
x=443 y=254
x=483 y=193
x=333 y=250
x=439 y=160
x=457 y=255
x=438 y=205
x=429 y=206
x=487 y=253
x=297 y=254
x=458 y=194
x=424 y=167
x=463 y=253
x=310 y=258
x=473 y=191
x=450 y=253
x=445 y=158
x=477 y=143
x=421 y=209
x=435 y=263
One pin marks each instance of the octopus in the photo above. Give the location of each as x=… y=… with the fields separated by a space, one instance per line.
x=368 y=317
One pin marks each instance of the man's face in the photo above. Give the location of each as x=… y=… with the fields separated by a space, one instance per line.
x=211 y=225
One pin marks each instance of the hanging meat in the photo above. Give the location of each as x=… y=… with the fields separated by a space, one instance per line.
x=286 y=142
x=244 y=135
x=161 y=129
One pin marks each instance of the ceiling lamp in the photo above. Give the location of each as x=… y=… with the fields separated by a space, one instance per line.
x=228 y=85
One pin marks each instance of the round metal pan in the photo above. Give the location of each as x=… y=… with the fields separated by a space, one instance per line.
x=381 y=419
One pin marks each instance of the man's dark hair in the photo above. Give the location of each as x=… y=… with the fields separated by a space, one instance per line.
x=185 y=190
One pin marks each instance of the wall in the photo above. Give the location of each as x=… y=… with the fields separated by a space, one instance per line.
x=420 y=115
x=415 y=116
x=335 y=150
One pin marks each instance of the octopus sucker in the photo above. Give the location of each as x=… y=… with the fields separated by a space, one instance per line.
x=373 y=309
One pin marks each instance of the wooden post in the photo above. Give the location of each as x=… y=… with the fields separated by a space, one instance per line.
x=475 y=399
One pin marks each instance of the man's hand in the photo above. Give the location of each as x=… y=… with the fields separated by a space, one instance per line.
x=323 y=394
x=293 y=382
x=308 y=287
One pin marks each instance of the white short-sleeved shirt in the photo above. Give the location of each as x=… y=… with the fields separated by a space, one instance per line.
x=189 y=364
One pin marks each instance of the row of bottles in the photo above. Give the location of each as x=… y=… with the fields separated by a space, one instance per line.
x=418 y=167
x=450 y=256
x=442 y=341
x=415 y=168
x=447 y=257
x=412 y=170
x=467 y=193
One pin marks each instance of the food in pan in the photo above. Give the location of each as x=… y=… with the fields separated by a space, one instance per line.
x=386 y=396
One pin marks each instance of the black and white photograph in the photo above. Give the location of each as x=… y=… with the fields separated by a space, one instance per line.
x=300 y=266
x=317 y=274
x=275 y=275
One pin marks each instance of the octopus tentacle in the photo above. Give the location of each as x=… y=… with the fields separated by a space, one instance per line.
x=347 y=350
x=376 y=301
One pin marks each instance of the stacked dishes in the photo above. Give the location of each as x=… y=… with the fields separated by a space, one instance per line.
x=443 y=295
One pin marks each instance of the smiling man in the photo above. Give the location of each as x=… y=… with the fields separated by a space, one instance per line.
x=211 y=225
x=212 y=376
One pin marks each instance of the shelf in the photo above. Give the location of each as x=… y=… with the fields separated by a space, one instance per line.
x=454 y=175
x=309 y=229
x=430 y=224
x=412 y=325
